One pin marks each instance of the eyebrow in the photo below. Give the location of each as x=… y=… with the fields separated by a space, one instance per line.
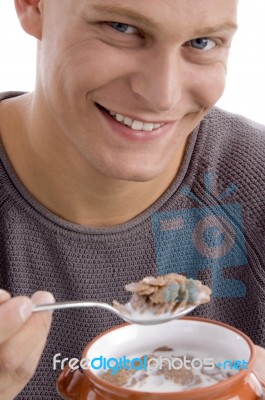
x=225 y=26
x=139 y=18
x=126 y=12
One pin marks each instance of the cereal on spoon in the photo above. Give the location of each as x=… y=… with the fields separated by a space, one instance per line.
x=165 y=294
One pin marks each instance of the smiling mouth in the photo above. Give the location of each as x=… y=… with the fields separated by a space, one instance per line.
x=131 y=123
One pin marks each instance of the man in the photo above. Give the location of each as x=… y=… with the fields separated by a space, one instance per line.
x=118 y=167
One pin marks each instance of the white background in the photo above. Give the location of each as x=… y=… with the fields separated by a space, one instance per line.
x=245 y=90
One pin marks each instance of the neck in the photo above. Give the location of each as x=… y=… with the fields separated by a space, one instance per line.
x=61 y=179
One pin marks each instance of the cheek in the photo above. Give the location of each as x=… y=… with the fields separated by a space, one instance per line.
x=208 y=84
x=90 y=66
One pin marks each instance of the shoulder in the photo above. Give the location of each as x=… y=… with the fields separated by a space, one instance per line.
x=234 y=127
x=233 y=149
x=230 y=138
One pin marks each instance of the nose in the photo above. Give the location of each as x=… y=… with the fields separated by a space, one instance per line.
x=158 y=80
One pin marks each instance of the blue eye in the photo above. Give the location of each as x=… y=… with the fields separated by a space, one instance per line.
x=202 y=44
x=123 y=28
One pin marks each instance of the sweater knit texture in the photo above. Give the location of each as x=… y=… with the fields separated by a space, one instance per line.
x=208 y=225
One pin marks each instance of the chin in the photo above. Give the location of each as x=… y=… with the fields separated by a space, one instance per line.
x=135 y=177
x=134 y=167
x=133 y=174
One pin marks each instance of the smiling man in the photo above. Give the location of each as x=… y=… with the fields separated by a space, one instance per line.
x=118 y=166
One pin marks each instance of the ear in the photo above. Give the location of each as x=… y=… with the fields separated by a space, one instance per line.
x=30 y=16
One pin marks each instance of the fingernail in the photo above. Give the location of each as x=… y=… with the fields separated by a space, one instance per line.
x=42 y=298
x=4 y=293
x=25 y=309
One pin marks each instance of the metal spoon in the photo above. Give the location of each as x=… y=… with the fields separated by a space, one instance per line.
x=127 y=313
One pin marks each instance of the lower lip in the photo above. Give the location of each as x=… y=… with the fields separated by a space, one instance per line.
x=132 y=134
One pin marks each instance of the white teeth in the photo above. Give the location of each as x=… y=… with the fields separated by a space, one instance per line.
x=137 y=125
x=133 y=124
x=128 y=121
x=148 y=127
x=119 y=117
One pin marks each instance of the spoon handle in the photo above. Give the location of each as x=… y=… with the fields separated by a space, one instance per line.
x=71 y=304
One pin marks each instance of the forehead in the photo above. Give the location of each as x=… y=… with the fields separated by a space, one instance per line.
x=165 y=9
x=175 y=14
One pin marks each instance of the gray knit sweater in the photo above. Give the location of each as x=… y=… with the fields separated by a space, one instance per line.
x=209 y=225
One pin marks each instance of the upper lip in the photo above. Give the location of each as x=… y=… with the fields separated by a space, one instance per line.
x=137 y=118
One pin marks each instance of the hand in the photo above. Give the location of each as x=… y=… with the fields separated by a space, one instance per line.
x=22 y=339
x=259 y=366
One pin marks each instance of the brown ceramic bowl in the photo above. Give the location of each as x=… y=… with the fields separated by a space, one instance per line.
x=211 y=338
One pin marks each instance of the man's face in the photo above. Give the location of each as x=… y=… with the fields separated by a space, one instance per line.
x=159 y=63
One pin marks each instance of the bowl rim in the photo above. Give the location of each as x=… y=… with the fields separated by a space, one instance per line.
x=220 y=386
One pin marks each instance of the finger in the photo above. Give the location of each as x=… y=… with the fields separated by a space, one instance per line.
x=4 y=296
x=259 y=366
x=42 y=297
x=15 y=351
x=24 y=373
x=13 y=314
